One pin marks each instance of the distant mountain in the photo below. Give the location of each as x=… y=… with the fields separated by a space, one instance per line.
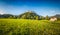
x=57 y=15
x=29 y=15
x=5 y=15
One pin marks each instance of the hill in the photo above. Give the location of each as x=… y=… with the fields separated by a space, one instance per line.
x=8 y=16
x=57 y=15
x=29 y=15
x=5 y=15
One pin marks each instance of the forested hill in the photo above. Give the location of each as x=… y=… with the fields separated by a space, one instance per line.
x=28 y=15
x=5 y=15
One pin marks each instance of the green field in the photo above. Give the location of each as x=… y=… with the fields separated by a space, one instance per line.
x=29 y=27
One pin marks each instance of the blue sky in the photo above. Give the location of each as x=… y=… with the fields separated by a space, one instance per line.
x=41 y=7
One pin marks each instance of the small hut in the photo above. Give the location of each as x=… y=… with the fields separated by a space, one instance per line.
x=53 y=19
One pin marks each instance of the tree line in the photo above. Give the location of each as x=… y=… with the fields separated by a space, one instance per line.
x=27 y=15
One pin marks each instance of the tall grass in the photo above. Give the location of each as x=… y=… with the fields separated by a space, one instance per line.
x=29 y=27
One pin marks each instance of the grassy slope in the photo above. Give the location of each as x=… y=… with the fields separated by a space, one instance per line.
x=29 y=27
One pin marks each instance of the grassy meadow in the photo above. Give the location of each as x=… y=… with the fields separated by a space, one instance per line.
x=29 y=27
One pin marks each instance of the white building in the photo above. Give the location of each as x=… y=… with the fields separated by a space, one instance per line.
x=53 y=19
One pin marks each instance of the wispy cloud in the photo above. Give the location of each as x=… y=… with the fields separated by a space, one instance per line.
x=40 y=7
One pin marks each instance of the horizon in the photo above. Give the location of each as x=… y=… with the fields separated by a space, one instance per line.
x=41 y=7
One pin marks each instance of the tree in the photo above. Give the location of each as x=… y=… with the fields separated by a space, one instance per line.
x=37 y=18
x=10 y=17
x=23 y=17
x=41 y=17
x=47 y=17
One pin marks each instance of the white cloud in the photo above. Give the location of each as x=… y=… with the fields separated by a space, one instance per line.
x=2 y=12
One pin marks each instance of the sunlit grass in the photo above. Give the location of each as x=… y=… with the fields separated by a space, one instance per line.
x=29 y=27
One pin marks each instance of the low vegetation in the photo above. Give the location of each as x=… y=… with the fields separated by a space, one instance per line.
x=29 y=27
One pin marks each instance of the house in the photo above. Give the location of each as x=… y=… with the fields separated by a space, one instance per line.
x=53 y=19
